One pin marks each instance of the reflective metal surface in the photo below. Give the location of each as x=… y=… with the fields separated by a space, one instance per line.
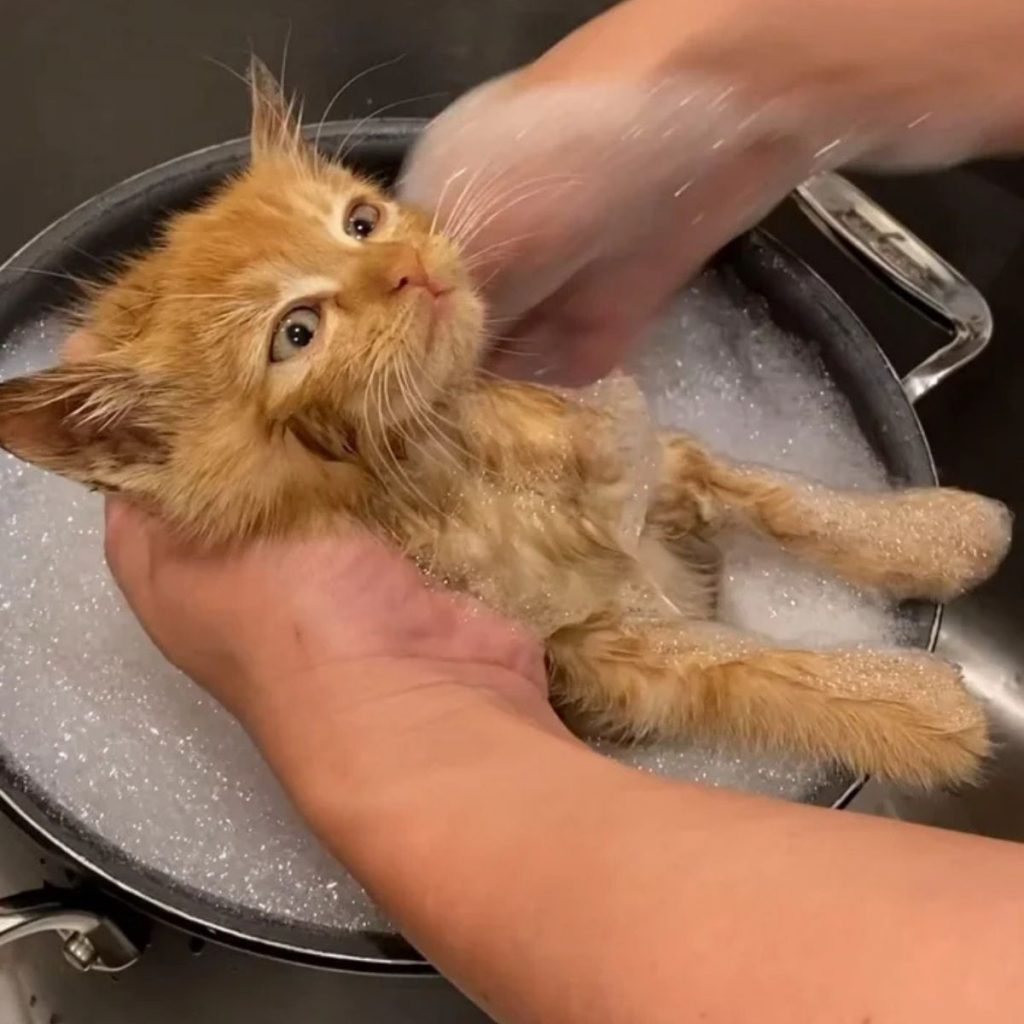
x=888 y=249
x=91 y=941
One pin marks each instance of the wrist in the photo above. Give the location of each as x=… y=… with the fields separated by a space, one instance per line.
x=923 y=82
x=453 y=806
x=345 y=738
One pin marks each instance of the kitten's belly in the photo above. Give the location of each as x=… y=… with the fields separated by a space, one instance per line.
x=683 y=582
x=536 y=560
x=521 y=577
x=530 y=556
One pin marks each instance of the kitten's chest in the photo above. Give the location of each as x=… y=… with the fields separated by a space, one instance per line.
x=544 y=523
x=546 y=551
x=543 y=556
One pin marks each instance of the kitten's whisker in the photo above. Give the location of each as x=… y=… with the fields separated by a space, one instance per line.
x=429 y=417
x=486 y=282
x=341 y=153
x=440 y=199
x=486 y=200
x=481 y=255
x=352 y=81
x=517 y=353
x=467 y=228
x=482 y=371
x=477 y=212
x=230 y=70
x=371 y=405
x=389 y=463
x=478 y=203
x=284 y=53
x=485 y=223
x=62 y=275
x=515 y=339
x=420 y=419
x=416 y=491
x=467 y=199
x=109 y=263
x=440 y=418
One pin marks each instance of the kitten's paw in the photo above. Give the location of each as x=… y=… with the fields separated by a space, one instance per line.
x=937 y=543
x=931 y=732
x=979 y=532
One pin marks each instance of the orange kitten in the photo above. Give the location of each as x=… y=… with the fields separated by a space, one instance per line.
x=301 y=353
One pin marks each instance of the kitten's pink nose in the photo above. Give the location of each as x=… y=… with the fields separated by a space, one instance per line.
x=407 y=271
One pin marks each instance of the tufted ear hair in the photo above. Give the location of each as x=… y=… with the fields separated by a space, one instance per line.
x=94 y=422
x=276 y=128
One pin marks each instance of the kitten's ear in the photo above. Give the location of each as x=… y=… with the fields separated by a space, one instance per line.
x=276 y=128
x=93 y=422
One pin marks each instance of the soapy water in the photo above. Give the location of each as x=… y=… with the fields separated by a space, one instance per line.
x=94 y=716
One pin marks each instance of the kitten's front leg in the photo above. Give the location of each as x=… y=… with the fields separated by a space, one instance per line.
x=929 y=542
x=899 y=715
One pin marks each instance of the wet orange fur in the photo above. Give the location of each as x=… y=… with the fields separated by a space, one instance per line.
x=509 y=491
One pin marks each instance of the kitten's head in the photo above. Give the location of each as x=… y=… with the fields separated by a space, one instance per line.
x=257 y=357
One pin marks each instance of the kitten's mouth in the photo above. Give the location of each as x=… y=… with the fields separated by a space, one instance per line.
x=437 y=307
x=437 y=297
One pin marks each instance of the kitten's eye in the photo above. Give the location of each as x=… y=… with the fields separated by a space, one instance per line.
x=293 y=333
x=361 y=220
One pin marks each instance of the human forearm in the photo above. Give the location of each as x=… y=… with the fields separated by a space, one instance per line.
x=873 y=66
x=554 y=885
x=550 y=883
x=605 y=174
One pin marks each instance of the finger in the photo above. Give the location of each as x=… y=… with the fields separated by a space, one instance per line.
x=80 y=346
x=570 y=356
x=587 y=327
x=128 y=548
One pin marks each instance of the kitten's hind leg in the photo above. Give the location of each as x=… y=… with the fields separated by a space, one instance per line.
x=929 y=542
x=900 y=715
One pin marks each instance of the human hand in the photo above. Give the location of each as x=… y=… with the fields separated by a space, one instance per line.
x=323 y=648
x=582 y=207
x=587 y=187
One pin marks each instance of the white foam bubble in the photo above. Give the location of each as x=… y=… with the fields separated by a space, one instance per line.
x=727 y=375
x=129 y=747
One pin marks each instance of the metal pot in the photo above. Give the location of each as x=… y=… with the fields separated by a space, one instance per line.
x=102 y=915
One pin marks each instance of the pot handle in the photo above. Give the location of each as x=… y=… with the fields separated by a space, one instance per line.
x=887 y=249
x=91 y=940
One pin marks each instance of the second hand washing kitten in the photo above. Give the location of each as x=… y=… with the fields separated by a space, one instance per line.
x=301 y=352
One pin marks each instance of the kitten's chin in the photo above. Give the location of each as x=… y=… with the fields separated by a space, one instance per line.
x=453 y=341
